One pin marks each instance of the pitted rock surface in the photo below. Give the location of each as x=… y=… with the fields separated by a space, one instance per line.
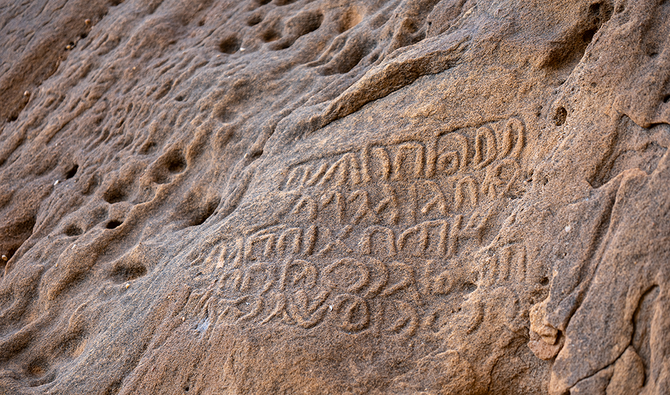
x=360 y=197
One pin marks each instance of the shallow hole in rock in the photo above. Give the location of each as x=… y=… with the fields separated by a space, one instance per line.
x=666 y=99
x=206 y=213
x=544 y=280
x=349 y=19
x=284 y=2
x=255 y=19
x=37 y=368
x=124 y=272
x=561 y=116
x=594 y=9
x=230 y=45
x=310 y=22
x=270 y=35
x=263 y=2
x=71 y=173
x=469 y=287
x=113 y=224
x=83 y=36
x=147 y=147
x=281 y=45
x=73 y=230
x=114 y=195
x=175 y=163
x=587 y=36
x=179 y=98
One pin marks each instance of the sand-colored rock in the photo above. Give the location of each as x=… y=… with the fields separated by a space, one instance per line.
x=334 y=197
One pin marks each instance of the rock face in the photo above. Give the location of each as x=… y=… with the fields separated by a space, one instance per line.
x=333 y=196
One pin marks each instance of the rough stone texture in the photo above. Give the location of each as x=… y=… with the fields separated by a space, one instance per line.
x=332 y=196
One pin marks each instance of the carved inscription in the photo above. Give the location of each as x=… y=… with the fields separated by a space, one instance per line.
x=466 y=163
x=374 y=238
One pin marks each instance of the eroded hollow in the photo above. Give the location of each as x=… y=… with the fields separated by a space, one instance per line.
x=115 y=194
x=203 y=214
x=255 y=19
x=73 y=230
x=128 y=272
x=113 y=224
x=560 y=116
x=72 y=172
x=175 y=162
x=270 y=35
x=230 y=44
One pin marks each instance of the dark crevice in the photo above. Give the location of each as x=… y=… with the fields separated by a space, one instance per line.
x=72 y=172
x=206 y=213
x=469 y=287
x=113 y=224
x=560 y=116
x=567 y=51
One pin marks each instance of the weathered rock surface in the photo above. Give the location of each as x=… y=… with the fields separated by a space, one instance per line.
x=333 y=196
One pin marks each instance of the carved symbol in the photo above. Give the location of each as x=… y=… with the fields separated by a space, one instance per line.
x=231 y=307
x=382 y=275
x=255 y=310
x=512 y=127
x=307 y=203
x=485 y=137
x=451 y=157
x=235 y=275
x=376 y=158
x=311 y=240
x=508 y=265
x=267 y=278
x=351 y=313
x=402 y=154
x=345 y=168
x=280 y=310
x=267 y=240
x=364 y=208
x=407 y=321
x=306 y=314
x=236 y=255
x=338 y=199
x=389 y=203
x=319 y=173
x=422 y=232
x=406 y=278
x=305 y=271
x=336 y=241
x=494 y=185
x=283 y=242
x=438 y=201
x=339 y=273
x=466 y=188
x=366 y=240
